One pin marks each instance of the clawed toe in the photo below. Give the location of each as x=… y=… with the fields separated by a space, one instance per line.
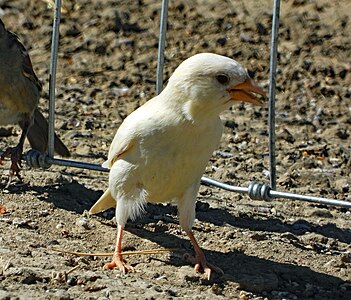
x=118 y=263
x=202 y=265
x=15 y=155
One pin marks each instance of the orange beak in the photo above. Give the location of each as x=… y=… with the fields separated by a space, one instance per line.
x=246 y=92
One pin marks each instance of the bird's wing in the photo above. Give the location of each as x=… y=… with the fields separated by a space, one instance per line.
x=27 y=68
x=106 y=201
x=122 y=143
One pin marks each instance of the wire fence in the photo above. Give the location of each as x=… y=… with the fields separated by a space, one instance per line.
x=255 y=190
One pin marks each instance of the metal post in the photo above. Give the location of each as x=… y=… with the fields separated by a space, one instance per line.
x=272 y=87
x=161 y=46
x=52 y=82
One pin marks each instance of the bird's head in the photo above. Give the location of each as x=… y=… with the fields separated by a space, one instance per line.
x=210 y=83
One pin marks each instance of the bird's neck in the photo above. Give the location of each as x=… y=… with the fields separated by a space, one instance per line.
x=193 y=110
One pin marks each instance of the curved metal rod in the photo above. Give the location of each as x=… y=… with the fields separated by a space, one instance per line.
x=255 y=190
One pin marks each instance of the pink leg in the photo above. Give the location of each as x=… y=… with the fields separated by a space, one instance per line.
x=117 y=260
x=200 y=259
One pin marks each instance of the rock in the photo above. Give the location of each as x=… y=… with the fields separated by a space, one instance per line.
x=5 y=295
x=259 y=236
x=244 y=295
x=246 y=38
x=61 y=295
x=287 y=136
x=72 y=280
x=20 y=222
x=83 y=150
x=222 y=41
x=82 y=222
x=73 y=31
x=202 y=206
x=289 y=236
x=320 y=212
x=342 y=185
x=4 y=250
x=261 y=29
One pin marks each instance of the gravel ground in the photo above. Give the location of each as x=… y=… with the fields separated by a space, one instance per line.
x=281 y=249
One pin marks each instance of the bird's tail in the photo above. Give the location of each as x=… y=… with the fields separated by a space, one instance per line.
x=106 y=201
x=38 y=136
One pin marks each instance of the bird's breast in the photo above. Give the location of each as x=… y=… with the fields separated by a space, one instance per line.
x=168 y=161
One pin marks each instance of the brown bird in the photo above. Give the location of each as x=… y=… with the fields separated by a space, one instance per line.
x=161 y=150
x=19 y=96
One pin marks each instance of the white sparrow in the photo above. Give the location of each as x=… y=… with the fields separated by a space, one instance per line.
x=161 y=150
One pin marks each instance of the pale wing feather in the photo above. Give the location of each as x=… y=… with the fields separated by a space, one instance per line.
x=121 y=144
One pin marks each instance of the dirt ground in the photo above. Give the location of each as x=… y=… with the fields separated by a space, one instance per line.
x=282 y=249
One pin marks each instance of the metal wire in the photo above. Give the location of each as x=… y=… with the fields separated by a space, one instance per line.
x=52 y=82
x=255 y=190
x=161 y=46
x=272 y=90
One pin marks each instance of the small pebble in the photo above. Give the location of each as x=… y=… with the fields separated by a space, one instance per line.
x=72 y=280
x=20 y=222
x=59 y=226
x=82 y=223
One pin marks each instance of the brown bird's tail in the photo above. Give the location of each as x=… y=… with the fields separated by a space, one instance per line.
x=38 y=136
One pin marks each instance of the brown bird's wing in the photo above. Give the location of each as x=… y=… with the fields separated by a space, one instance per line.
x=26 y=62
x=38 y=136
x=105 y=202
x=38 y=132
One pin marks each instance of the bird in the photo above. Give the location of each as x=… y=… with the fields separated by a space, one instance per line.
x=161 y=150
x=19 y=96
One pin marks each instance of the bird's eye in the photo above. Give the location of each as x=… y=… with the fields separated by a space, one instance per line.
x=223 y=79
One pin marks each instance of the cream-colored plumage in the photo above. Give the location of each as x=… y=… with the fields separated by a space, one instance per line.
x=161 y=150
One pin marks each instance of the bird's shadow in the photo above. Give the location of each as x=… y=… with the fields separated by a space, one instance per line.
x=220 y=217
x=255 y=274
x=71 y=196
x=250 y=272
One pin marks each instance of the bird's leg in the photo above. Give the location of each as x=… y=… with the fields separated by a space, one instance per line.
x=117 y=259
x=15 y=154
x=186 y=211
x=200 y=258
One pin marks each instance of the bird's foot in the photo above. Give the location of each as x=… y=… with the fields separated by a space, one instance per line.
x=117 y=262
x=15 y=154
x=201 y=265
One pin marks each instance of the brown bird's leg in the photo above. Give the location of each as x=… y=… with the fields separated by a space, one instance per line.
x=200 y=259
x=117 y=259
x=15 y=153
